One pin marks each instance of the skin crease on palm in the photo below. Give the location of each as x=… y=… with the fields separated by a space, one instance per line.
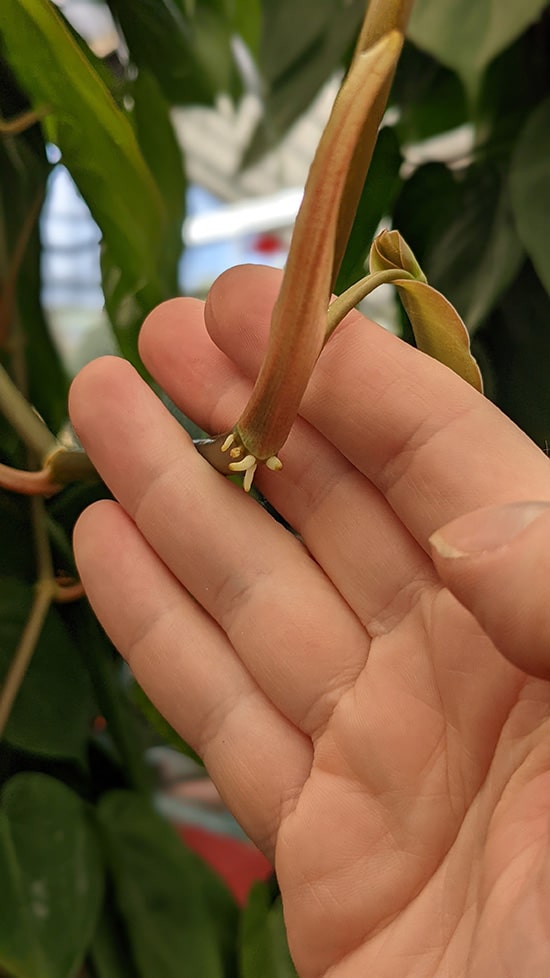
x=356 y=718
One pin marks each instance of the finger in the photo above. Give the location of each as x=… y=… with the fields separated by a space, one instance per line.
x=344 y=520
x=277 y=607
x=433 y=445
x=496 y=561
x=189 y=670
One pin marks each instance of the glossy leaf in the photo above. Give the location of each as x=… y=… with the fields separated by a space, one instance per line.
x=516 y=342
x=263 y=947
x=471 y=250
x=429 y=98
x=52 y=874
x=52 y=713
x=164 y=157
x=302 y=45
x=530 y=188
x=95 y=137
x=167 y=39
x=467 y=36
x=179 y=917
x=24 y=172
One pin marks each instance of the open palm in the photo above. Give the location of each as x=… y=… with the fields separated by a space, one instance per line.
x=355 y=716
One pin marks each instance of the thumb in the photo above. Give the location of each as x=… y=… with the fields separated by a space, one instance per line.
x=496 y=561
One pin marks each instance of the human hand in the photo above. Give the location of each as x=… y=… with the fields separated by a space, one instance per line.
x=357 y=719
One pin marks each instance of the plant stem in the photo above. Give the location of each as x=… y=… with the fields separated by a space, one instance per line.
x=347 y=301
x=22 y=416
x=24 y=651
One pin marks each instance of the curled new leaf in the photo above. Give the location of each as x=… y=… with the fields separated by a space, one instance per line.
x=437 y=327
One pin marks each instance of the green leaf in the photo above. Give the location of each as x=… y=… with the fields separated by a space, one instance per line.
x=52 y=873
x=263 y=947
x=302 y=45
x=109 y=951
x=437 y=327
x=164 y=157
x=516 y=344
x=179 y=917
x=24 y=172
x=467 y=36
x=477 y=253
x=247 y=22
x=95 y=137
x=379 y=192
x=52 y=713
x=19 y=950
x=530 y=188
x=429 y=98
x=168 y=39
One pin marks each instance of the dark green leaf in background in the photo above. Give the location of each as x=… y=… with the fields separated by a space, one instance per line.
x=530 y=189
x=52 y=873
x=262 y=942
x=429 y=97
x=380 y=190
x=52 y=713
x=180 y=918
x=97 y=144
x=302 y=45
x=163 y=155
x=19 y=950
x=516 y=343
x=476 y=252
x=467 y=35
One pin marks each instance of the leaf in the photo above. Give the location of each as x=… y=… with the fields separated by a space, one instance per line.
x=477 y=253
x=179 y=917
x=24 y=172
x=247 y=22
x=302 y=45
x=95 y=137
x=438 y=329
x=164 y=157
x=516 y=343
x=263 y=947
x=109 y=951
x=379 y=192
x=19 y=950
x=167 y=39
x=429 y=98
x=530 y=188
x=55 y=877
x=467 y=36
x=51 y=715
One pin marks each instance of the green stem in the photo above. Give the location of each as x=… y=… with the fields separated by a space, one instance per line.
x=27 y=423
x=24 y=651
x=348 y=300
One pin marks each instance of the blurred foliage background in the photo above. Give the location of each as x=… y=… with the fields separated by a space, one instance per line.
x=92 y=880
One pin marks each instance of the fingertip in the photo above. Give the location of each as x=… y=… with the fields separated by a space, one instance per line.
x=240 y=302
x=99 y=377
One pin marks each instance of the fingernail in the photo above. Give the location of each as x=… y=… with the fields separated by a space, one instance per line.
x=485 y=530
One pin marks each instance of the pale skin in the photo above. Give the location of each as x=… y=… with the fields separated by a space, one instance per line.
x=356 y=718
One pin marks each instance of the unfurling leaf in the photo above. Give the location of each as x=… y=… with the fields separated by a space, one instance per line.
x=437 y=327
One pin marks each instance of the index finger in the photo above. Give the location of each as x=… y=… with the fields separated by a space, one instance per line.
x=433 y=445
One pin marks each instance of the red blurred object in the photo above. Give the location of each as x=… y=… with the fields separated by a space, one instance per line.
x=238 y=863
x=268 y=243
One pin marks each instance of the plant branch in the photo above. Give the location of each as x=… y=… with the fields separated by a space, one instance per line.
x=347 y=301
x=24 y=652
x=23 y=121
x=22 y=416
